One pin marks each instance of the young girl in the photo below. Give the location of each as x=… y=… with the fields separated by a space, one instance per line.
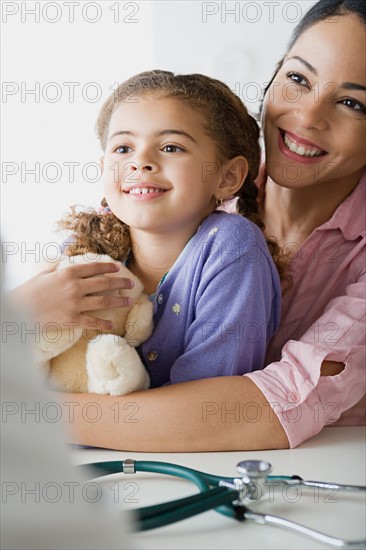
x=175 y=148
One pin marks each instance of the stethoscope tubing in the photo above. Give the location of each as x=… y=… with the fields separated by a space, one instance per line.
x=222 y=499
x=204 y=480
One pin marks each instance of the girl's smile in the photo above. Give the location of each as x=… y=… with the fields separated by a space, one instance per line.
x=144 y=191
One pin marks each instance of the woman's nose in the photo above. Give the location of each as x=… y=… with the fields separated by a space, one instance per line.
x=312 y=112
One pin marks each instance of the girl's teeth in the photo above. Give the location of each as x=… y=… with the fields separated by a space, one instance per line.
x=300 y=149
x=143 y=191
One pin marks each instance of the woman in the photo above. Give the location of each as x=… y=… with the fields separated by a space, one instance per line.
x=313 y=202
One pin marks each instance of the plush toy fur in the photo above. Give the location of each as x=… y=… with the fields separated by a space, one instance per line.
x=91 y=361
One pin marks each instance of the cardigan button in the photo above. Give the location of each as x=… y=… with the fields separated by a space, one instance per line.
x=152 y=355
x=160 y=299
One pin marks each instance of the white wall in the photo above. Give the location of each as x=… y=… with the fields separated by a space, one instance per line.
x=92 y=45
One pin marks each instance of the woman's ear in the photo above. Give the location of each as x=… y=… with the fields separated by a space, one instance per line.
x=101 y=163
x=235 y=172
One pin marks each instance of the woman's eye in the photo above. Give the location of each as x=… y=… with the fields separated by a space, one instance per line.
x=354 y=105
x=298 y=78
x=172 y=149
x=122 y=149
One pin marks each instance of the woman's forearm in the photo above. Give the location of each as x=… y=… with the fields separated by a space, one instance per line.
x=225 y=414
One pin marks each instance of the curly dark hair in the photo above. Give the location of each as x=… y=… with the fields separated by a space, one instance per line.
x=229 y=124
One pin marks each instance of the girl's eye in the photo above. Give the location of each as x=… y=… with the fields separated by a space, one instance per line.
x=122 y=149
x=354 y=105
x=172 y=149
x=298 y=78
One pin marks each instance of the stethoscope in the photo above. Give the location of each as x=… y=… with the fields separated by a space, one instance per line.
x=226 y=495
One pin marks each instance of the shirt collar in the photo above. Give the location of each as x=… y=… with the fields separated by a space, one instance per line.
x=350 y=216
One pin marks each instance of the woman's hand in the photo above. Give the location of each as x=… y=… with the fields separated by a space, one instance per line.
x=66 y=296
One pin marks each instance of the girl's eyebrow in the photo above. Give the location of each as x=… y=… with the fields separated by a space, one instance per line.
x=158 y=133
x=344 y=85
x=176 y=132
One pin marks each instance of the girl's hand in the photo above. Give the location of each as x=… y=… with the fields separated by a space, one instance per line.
x=67 y=295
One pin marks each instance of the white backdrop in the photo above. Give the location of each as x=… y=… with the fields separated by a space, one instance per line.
x=61 y=60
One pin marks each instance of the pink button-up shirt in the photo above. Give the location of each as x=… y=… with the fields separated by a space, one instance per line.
x=323 y=318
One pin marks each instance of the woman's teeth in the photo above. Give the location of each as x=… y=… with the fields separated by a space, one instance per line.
x=300 y=149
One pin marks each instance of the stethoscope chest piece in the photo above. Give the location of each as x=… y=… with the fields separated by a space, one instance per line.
x=254 y=476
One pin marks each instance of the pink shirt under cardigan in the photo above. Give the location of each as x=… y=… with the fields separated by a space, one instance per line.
x=323 y=318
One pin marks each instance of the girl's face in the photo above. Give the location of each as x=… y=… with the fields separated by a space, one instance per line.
x=315 y=110
x=160 y=170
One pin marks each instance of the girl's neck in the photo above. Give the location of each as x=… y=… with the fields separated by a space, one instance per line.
x=153 y=256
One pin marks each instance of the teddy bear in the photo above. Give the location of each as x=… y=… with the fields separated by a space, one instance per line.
x=89 y=360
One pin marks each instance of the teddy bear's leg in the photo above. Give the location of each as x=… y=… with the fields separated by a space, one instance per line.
x=52 y=342
x=68 y=370
x=114 y=367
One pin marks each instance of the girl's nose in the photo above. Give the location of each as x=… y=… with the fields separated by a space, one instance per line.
x=144 y=162
x=149 y=166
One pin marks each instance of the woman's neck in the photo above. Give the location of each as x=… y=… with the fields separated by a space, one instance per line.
x=291 y=215
x=153 y=256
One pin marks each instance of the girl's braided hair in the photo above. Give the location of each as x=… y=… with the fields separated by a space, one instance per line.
x=229 y=124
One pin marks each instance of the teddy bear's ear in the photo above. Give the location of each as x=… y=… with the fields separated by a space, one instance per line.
x=80 y=259
x=45 y=265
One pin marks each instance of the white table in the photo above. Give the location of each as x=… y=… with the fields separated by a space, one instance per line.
x=335 y=455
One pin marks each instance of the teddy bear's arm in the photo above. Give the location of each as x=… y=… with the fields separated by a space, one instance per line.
x=139 y=322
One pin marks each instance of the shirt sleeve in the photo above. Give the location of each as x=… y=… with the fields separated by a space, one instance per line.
x=303 y=400
x=237 y=311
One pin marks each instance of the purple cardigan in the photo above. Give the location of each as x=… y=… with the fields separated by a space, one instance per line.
x=217 y=308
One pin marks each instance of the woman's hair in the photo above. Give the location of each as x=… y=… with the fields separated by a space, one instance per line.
x=324 y=9
x=228 y=123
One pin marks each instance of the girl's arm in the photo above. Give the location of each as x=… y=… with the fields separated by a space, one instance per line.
x=67 y=295
x=213 y=414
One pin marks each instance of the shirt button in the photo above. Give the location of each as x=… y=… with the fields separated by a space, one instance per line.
x=160 y=298
x=294 y=397
x=152 y=355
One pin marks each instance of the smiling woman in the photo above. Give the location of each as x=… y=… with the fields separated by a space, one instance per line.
x=314 y=112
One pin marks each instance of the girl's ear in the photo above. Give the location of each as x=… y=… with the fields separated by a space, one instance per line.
x=234 y=173
x=101 y=162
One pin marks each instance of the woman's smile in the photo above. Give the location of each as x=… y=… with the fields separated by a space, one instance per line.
x=299 y=149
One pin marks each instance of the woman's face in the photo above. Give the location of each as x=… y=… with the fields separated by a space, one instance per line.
x=315 y=110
